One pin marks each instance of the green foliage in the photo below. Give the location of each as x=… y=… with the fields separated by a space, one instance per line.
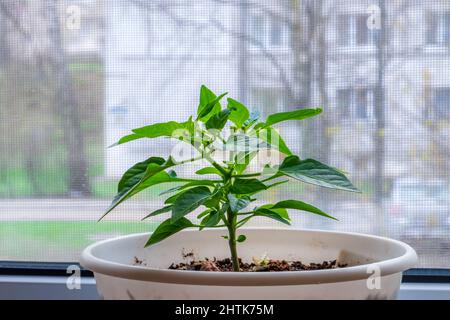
x=225 y=200
x=168 y=228
x=314 y=172
x=301 y=114
x=188 y=201
x=167 y=129
x=239 y=113
x=247 y=186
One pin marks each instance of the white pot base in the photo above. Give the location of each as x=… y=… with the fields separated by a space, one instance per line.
x=375 y=266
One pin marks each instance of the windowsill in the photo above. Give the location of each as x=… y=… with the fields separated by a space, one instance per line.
x=272 y=49
x=54 y=288
x=424 y=291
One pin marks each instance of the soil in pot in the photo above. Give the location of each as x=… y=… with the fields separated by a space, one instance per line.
x=225 y=265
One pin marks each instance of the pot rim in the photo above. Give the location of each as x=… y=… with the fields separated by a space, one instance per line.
x=359 y=272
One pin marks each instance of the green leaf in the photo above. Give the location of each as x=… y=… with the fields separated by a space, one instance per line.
x=172 y=199
x=127 y=138
x=153 y=175
x=210 y=109
x=273 y=138
x=238 y=203
x=276 y=184
x=245 y=186
x=244 y=143
x=132 y=190
x=299 y=205
x=281 y=211
x=214 y=199
x=300 y=114
x=239 y=113
x=208 y=170
x=313 y=172
x=189 y=201
x=174 y=189
x=242 y=160
x=273 y=214
x=218 y=120
x=210 y=220
x=204 y=213
x=158 y=212
x=241 y=238
x=188 y=185
x=166 y=129
x=254 y=116
x=167 y=229
x=136 y=172
x=206 y=96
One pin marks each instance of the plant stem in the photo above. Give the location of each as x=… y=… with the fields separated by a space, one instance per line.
x=248 y=175
x=218 y=167
x=231 y=220
x=189 y=160
x=232 y=240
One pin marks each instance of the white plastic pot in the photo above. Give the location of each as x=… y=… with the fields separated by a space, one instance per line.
x=374 y=271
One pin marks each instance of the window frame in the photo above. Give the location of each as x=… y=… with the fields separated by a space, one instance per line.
x=352 y=108
x=416 y=284
x=440 y=21
x=419 y=275
x=347 y=27
x=266 y=32
x=273 y=91
x=26 y=268
x=436 y=112
x=59 y=269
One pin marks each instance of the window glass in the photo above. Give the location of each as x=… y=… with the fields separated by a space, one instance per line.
x=344 y=102
x=268 y=30
x=442 y=103
x=438 y=32
x=268 y=100
x=259 y=29
x=76 y=75
x=361 y=103
x=362 y=32
x=353 y=30
x=344 y=28
x=432 y=28
x=276 y=33
x=447 y=28
x=355 y=103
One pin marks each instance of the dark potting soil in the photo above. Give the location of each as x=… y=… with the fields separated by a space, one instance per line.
x=225 y=265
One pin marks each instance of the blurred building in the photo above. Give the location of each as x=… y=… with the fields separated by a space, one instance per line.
x=155 y=64
x=159 y=53
x=27 y=27
x=83 y=27
x=415 y=80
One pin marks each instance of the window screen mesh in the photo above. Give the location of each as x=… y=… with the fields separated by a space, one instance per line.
x=77 y=75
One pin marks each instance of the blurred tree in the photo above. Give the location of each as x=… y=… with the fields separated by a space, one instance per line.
x=68 y=106
x=38 y=77
x=379 y=136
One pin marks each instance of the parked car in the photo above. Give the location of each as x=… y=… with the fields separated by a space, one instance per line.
x=419 y=209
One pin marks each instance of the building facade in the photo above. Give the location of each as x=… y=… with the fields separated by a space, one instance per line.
x=283 y=56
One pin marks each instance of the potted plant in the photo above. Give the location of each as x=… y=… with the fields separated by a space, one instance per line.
x=224 y=260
